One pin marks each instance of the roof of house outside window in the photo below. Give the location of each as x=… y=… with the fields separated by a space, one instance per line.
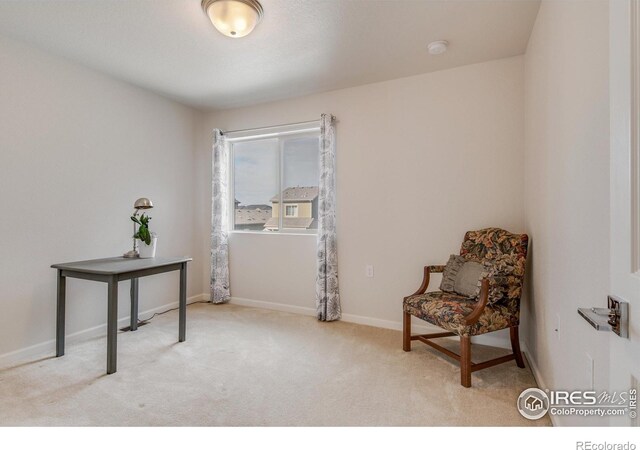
x=298 y=194
x=252 y=214
x=238 y=206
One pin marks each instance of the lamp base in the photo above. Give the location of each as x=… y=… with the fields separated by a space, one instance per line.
x=131 y=254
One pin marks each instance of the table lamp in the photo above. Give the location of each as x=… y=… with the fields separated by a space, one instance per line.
x=141 y=203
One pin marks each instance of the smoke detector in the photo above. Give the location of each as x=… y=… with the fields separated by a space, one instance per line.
x=438 y=47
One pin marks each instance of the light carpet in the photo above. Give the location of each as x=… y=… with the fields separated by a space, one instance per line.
x=247 y=366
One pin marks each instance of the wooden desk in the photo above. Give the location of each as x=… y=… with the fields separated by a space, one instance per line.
x=111 y=271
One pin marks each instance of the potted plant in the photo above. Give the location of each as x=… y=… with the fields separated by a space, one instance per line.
x=146 y=239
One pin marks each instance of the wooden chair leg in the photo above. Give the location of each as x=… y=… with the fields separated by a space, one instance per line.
x=406 y=331
x=465 y=361
x=515 y=346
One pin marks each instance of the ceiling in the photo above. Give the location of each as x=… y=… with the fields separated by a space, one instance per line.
x=300 y=47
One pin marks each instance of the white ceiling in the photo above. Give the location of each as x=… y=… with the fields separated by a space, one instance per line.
x=300 y=47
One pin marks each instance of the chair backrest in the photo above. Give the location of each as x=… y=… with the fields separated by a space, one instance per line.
x=491 y=244
x=505 y=253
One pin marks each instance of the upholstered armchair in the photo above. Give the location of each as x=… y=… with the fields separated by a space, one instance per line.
x=496 y=307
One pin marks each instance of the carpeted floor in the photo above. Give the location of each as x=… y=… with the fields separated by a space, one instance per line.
x=245 y=366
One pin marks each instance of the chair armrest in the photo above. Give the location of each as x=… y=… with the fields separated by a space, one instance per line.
x=483 y=300
x=428 y=270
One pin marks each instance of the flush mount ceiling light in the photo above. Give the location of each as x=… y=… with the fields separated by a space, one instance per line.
x=438 y=47
x=233 y=18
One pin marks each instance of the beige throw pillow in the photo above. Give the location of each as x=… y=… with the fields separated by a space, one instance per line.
x=451 y=272
x=462 y=277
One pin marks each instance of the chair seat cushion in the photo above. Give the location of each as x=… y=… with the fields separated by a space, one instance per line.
x=448 y=310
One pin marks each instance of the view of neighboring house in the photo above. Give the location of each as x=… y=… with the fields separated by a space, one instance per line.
x=300 y=209
x=251 y=217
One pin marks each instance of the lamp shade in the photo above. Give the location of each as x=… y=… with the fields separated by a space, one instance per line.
x=143 y=203
x=233 y=18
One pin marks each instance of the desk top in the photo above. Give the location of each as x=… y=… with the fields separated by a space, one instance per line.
x=119 y=264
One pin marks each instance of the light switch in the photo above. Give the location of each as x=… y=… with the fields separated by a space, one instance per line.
x=369 y=271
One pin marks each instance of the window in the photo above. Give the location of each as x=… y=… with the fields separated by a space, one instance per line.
x=291 y=211
x=274 y=185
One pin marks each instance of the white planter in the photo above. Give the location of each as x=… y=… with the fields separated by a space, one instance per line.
x=147 y=251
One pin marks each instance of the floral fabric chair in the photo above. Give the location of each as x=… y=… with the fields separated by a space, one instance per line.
x=497 y=307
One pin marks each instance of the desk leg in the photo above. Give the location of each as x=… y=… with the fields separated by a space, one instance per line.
x=60 y=313
x=183 y=303
x=112 y=325
x=134 y=304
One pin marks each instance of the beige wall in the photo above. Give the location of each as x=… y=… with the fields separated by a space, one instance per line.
x=567 y=190
x=76 y=149
x=420 y=161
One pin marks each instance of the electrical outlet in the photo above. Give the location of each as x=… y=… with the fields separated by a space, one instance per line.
x=590 y=372
x=369 y=271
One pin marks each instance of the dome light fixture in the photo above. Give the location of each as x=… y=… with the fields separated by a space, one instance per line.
x=438 y=47
x=233 y=18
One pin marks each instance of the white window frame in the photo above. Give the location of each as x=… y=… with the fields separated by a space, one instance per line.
x=294 y=208
x=310 y=129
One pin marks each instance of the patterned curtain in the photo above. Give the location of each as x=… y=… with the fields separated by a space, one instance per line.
x=220 y=220
x=327 y=296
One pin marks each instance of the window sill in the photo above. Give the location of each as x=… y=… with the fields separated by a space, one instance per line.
x=283 y=233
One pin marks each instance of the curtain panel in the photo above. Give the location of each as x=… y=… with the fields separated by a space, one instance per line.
x=220 y=220
x=327 y=296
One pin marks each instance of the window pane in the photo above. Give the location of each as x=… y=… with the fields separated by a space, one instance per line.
x=300 y=176
x=256 y=184
x=292 y=211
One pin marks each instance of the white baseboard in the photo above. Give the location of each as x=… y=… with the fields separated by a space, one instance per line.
x=48 y=348
x=305 y=311
x=362 y=320
x=537 y=375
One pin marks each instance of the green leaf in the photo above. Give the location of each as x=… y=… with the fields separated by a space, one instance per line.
x=145 y=235
x=143 y=232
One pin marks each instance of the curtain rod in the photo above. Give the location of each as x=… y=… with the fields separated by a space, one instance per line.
x=272 y=126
